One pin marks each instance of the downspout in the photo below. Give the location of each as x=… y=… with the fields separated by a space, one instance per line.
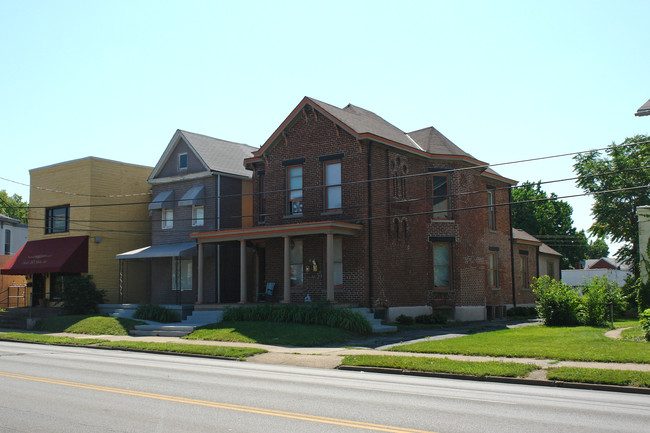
x=370 y=268
x=218 y=244
x=512 y=253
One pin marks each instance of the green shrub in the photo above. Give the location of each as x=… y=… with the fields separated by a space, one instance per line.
x=557 y=303
x=597 y=295
x=644 y=319
x=155 y=313
x=437 y=318
x=404 y=320
x=80 y=295
x=317 y=314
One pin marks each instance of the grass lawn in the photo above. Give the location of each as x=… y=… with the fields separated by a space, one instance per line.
x=91 y=325
x=595 y=375
x=444 y=365
x=634 y=334
x=48 y=339
x=580 y=343
x=201 y=349
x=291 y=334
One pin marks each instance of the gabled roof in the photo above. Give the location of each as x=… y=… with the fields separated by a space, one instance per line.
x=362 y=123
x=525 y=237
x=545 y=249
x=643 y=110
x=521 y=235
x=605 y=263
x=215 y=154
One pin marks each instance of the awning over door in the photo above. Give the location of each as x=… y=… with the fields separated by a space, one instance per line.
x=63 y=255
x=155 y=251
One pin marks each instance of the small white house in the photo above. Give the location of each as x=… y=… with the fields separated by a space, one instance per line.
x=13 y=235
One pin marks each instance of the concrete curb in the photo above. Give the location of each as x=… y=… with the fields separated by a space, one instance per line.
x=512 y=380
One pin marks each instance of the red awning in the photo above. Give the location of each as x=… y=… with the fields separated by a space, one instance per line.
x=66 y=255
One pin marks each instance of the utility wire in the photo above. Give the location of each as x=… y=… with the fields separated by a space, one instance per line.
x=475 y=167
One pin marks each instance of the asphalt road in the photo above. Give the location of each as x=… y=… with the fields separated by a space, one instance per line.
x=66 y=389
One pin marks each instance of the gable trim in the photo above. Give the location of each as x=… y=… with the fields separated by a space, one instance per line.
x=178 y=135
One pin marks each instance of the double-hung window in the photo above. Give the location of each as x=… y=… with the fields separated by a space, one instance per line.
x=294 y=190
x=440 y=196
x=442 y=265
x=197 y=215
x=57 y=219
x=167 y=218
x=492 y=210
x=493 y=266
x=523 y=269
x=7 y=242
x=333 y=185
x=261 y=196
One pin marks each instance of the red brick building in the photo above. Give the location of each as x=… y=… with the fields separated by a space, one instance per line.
x=350 y=208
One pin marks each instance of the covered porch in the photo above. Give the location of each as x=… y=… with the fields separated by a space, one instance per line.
x=288 y=233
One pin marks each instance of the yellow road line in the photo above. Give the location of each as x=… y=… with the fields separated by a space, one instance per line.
x=249 y=409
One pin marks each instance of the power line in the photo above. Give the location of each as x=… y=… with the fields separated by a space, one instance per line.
x=444 y=171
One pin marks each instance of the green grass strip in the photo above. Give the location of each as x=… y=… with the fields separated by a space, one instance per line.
x=91 y=325
x=200 y=349
x=289 y=334
x=579 y=343
x=49 y=339
x=595 y=375
x=442 y=365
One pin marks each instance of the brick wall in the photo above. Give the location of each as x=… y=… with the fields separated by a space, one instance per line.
x=401 y=225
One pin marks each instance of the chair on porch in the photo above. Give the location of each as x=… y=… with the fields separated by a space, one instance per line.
x=269 y=292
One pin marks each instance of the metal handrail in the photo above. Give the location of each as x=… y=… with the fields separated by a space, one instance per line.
x=8 y=297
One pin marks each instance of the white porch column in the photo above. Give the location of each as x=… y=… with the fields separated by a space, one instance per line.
x=287 y=271
x=242 y=271
x=199 y=299
x=329 y=266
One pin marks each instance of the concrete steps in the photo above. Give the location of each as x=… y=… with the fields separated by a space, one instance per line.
x=203 y=317
x=124 y=313
x=377 y=326
x=163 y=330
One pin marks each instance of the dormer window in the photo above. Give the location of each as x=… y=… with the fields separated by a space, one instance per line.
x=182 y=161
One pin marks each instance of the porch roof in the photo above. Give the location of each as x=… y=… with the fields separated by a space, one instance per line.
x=278 y=231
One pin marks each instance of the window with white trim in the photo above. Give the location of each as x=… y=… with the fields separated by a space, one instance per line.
x=197 y=216
x=167 y=219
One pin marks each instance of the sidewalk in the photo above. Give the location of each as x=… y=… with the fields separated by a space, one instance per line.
x=331 y=357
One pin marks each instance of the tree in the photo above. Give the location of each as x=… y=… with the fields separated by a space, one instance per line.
x=598 y=249
x=549 y=219
x=14 y=206
x=619 y=179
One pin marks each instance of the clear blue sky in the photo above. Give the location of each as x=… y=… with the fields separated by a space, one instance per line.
x=503 y=80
